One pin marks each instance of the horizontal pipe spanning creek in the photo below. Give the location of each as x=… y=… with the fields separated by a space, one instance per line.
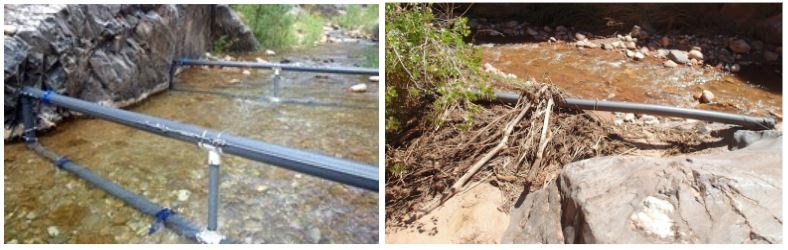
x=174 y=221
x=750 y=122
x=343 y=171
x=286 y=67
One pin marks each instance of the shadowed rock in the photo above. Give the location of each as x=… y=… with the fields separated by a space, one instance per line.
x=113 y=54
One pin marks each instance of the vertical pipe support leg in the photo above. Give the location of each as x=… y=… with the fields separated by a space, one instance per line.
x=28 y=119
x=211 y=236
x=277 y=78
x=214 y=161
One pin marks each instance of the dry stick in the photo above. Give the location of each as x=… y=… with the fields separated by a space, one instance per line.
x=456 y=188
x=542 y=141
x=478 y=165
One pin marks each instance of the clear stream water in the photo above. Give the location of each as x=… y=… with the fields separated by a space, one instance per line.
x=259 y=203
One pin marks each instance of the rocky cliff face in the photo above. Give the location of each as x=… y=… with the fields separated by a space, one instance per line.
x=112 y=54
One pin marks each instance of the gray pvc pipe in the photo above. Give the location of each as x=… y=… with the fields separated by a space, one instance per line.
x=288 y=67
x=29 y=134
x=326 y=167
x=749 y=122
x=176 y=222
x=213 y=196
x=277 y=79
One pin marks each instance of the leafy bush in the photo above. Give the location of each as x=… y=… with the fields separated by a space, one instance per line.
x=271 y=23
x=311 y=26
x=220 y=45
x=428 y=66
x=358 y=17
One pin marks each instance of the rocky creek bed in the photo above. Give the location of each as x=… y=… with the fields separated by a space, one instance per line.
x=259 y=203
x=623 y=178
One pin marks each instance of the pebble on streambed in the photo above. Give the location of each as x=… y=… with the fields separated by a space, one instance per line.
x=53 y=231
x=183 y=194
x=359 y=88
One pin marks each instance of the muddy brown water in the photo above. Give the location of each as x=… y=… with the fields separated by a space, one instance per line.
x=609 y=75
x=259 y=203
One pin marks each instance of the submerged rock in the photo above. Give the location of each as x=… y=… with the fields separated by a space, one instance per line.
x=739 y=46
x=706 y=96
x=359 y=88
x=664 y=42
x=770 y=56
x=735 y=68
x=531 y=32
x=678 y=56
x=670 y=64
x=695 y=54
x=53 y=231
x=639 y=56
x=183 y=194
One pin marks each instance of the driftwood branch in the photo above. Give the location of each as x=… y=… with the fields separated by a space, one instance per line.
x=501 y=145
x=542 y=142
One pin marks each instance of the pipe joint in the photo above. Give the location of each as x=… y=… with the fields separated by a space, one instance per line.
x=209 y=237
x=28 y=135
x=214 y=153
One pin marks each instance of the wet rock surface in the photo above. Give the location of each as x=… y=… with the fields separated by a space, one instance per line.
x=112 y=54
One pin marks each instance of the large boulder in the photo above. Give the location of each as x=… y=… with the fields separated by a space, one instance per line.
x=537 y=219
x=725 y=197
x=112 y=54
x=230 y=25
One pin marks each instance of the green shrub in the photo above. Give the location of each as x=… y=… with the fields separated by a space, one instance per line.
x=371 y=57
x=358 y=17
x=428 y=66
x=311 y=26
x=220 y=45
x=271 y=23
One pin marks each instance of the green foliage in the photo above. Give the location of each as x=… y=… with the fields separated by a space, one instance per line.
x=271 y=24
x=310 y=26
x=427 y=59
x=397 y=169
x=371 y=57
x=358 y=17
x=220 y=45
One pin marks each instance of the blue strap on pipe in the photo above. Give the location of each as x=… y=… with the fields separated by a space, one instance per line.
x=161 y=217
x=45 y=97
x=61 y=161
